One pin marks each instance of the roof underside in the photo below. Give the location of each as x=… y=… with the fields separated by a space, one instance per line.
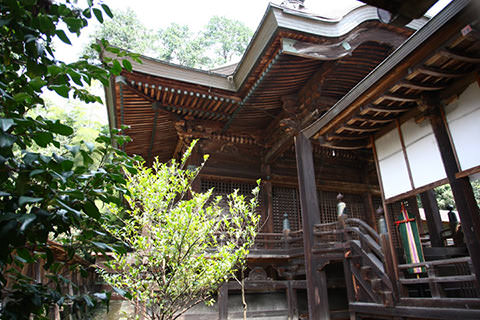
x=315 y=71
x=442 y=67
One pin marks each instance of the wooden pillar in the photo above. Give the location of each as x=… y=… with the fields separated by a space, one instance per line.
x=223 y=302
x=413 y=206
x=462 y=190
x=267 y=210
x=368 y=202
x=432 y=214
x=316 y=282
x=292 y=301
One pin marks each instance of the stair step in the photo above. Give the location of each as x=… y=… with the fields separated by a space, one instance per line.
x=365 y=272
x=387 y=297
x=376 y=284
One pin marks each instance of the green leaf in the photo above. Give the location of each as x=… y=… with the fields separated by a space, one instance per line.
x=43 y=138
x=98 y=14
x=4 y=22
x=61 y=34
x=116 y=68
x=5 y=124
x=102 y=246
x=36 y=171
x=91 y=210
x=67 y=165
x=73 y=149
x=87 y=13
x=37 y=83
x=74 y=24
x=107 y=10
x=60 y=128
x=21 y=96
x=25 y=255
x=62 y=90
x=24 y=200
x=6 y=140
x=27 y=221
x=127 y=65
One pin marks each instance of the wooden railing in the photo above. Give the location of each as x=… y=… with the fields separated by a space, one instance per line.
x=368 y=270
x=448 y=278
x=278 y=241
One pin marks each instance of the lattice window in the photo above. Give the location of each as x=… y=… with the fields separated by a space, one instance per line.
x=286 y=200
x=394 y=210
x=328 y=206
x=223 y=188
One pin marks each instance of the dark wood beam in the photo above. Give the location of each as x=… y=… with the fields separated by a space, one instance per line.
x=420 y=86
x=398 y=97
x=345 y=145
x=461 y=188
x=285 y=140
x=432 y=214
x=316 y=286
x=440 y=73
x=336 y=50
x=373 y=119
x=384 y=109
x=460 y=56
x=359 y=129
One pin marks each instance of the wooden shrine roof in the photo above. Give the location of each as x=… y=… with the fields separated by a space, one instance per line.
x=441 y=59
x=296 y=67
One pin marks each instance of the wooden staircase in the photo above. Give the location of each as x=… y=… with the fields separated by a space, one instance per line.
x=373 y=288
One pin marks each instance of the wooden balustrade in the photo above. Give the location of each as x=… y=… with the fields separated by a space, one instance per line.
x=447 y=278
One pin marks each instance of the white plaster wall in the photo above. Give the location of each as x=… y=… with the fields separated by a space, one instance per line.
x=463 y=118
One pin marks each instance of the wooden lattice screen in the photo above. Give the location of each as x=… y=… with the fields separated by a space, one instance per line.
x=286 y=200
x=394 y=210
x=328 y=206
x=224 y=187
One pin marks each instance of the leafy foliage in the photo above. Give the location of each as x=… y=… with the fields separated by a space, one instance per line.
x=444 y=195
x=125 y=31
x=183 y=247
x=50 y=191
x=222 y=40
x=228 y=38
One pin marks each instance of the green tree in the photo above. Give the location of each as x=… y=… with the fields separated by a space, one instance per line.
x=127 y=32
x=221 y=41
x=227 y=38
x=179 y=45
x=444 y=194
x=183 y=247
x=50 y=194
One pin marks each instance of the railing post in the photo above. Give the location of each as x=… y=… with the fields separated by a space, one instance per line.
x=388 y=254
x=286 y=231
x=341 y=215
